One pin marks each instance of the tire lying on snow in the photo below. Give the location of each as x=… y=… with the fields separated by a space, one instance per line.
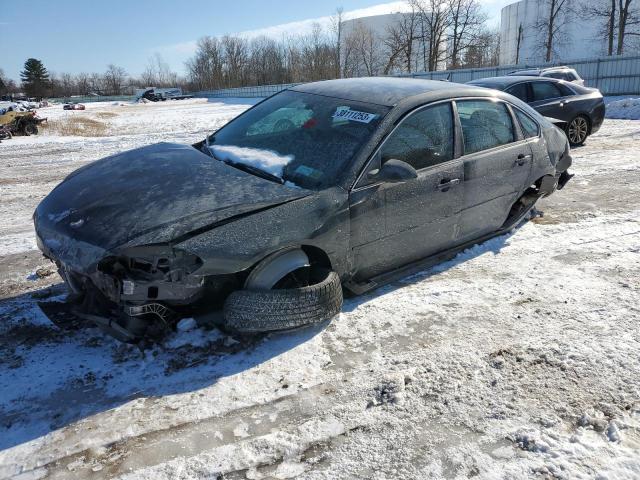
x=253 y=311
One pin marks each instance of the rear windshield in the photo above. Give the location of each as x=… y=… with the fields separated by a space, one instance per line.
x=305 y=139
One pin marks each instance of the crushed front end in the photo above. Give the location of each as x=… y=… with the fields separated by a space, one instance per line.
x=134 y=294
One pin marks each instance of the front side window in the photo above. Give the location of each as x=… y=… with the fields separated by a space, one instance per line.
x=423 y=139
x=529 y=126
x=544 y=91
x=485 y=125
x=519 y=91
x=305 y=139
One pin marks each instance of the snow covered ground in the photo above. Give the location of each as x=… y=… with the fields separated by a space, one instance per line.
x=519 y=358
x=623 y=108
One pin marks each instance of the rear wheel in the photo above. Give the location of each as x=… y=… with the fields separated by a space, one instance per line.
x=577 y=130
x=30 y=129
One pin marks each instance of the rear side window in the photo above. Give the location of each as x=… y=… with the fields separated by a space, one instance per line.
x=529 y=126
x=544 y=91
x=519 y=91
x=485 y=125
x=423 y=139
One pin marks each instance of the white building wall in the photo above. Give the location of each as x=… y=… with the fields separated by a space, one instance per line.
x=582 y=37
x=379 y=26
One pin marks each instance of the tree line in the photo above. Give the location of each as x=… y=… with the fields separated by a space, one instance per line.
x=36 y=81
x=430 y=35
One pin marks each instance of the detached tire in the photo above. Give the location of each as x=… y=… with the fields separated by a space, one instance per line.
x=254 y=311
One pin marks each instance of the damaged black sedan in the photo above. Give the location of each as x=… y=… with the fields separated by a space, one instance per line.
x=330 y=185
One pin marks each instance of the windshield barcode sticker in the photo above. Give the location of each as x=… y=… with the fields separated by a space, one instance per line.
x=345 y=113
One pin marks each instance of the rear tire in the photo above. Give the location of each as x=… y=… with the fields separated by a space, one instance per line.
x=577 y=130
x=254 y=311
x=30 y=129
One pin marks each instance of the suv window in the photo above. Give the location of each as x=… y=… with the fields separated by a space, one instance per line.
x=545 y=90
x=519 y=91
x=485 y=124
x=529 y=126
x=423 y=139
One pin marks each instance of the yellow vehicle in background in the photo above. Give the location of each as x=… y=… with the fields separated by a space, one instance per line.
x=20 y=123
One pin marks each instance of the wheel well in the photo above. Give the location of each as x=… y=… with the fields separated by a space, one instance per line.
x=588 y=119
x=317 y=256
x=274 y=268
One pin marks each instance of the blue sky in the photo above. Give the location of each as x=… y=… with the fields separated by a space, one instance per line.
x=84 y=36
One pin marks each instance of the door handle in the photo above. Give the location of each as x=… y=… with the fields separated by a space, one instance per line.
x=522 y=159
x=445 y=184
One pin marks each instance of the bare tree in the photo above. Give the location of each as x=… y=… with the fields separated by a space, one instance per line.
x=605 y=11
x=466 y=19
x=236 y=54
x=7 y=85
x=401 y=39
x=435 y=20
x=114 y=79
x=158 y=73
x=628 y=16
x=367 y=50
x=484 y=52
x=206 y=67
x=83 y=85
x=551 y=26
x=67 y=85
x=337 y=28
x=519 y=43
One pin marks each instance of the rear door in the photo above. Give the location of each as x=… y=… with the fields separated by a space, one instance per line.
x=497 y=164
x=551 y=100
x=393 y=224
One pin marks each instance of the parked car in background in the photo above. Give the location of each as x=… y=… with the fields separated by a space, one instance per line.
x=354 y=182
x=580 y=110
x=73 y=106
x=567 y=74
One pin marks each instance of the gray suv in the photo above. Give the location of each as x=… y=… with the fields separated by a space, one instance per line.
x=561 y=73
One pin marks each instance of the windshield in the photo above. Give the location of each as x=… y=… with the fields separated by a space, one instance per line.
x=300 y=138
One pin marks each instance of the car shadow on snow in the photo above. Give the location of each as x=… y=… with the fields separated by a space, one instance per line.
x=50 y=378
x=492 y=246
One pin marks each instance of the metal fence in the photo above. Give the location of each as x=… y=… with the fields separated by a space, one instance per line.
x=259 y=91
x=618 y=75
x=97 y=98
x=612 y=75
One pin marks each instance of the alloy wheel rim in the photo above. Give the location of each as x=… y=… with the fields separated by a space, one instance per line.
x=578 y=130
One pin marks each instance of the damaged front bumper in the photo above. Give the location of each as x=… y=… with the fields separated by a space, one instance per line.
x=136 y=293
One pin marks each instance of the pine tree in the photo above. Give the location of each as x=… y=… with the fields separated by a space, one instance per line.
x=35 y=78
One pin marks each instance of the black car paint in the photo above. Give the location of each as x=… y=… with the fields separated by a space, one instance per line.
x=151 y=195
x=583 y=100
x=179 y=199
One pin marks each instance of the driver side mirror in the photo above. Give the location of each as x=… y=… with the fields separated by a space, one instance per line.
x=393 y=171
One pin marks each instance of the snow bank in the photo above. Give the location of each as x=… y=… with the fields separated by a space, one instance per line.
x=267 y=160
x=626 y=109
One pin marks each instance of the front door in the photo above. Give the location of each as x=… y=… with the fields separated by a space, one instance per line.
x=393 y=224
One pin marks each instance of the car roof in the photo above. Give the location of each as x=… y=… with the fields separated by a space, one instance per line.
x=387 y=91
x=505 y=82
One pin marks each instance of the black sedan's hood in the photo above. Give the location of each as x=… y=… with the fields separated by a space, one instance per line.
x=153 y=194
